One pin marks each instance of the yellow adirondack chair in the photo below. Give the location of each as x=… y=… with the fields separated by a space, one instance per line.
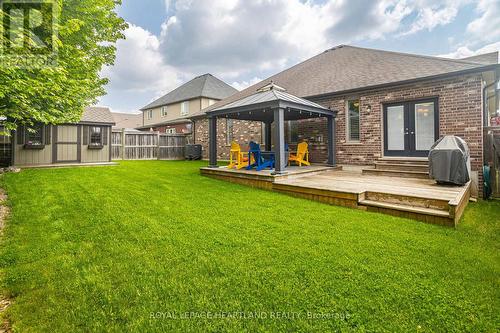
x=302 y=156
x=237 y=158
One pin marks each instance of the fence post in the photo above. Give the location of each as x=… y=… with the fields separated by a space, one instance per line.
x=158 y=146
x=123 y=144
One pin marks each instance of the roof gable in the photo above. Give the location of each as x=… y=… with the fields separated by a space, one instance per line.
x=202 y=86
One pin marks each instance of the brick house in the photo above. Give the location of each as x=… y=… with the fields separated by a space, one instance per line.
x=170 y=113
x=389 y=105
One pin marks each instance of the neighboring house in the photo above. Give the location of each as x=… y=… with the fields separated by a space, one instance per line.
x=389 y=104
x=170 y=113
x=86 y=142
x=127 y=120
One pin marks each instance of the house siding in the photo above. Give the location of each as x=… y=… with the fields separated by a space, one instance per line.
x=174 y=111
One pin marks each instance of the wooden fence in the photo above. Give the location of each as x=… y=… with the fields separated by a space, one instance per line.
x=492 y=157
x=132 y=145
x=5 y=149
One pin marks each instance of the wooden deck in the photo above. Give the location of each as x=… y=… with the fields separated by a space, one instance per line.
x=418 y=199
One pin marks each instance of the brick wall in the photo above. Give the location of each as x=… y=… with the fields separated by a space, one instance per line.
x=243 y=133
x=460 y=113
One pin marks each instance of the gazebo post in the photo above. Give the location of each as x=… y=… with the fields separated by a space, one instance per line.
x=212 y=142
x=279 y=140
x=331 y=141
x=268 y=135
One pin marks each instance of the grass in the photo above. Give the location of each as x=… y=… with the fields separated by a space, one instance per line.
x=153 y=246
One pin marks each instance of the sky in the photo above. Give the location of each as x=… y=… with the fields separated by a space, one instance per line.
x=242 y=42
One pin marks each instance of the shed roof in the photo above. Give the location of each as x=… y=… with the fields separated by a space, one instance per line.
x=202 y=86
x=97 y=114
x=344 y=69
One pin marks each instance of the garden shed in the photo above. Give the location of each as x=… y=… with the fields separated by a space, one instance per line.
x=86 y=142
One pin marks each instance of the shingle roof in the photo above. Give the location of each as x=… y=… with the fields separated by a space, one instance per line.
x=96 y=114
x=127 y=120
x=487 y=58
x=202 y=86
x=269 y=95
x=348 y=68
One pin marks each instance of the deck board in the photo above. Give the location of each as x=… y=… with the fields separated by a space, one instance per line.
x=355 y=182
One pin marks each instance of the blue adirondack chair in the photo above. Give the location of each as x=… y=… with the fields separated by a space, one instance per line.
x=261 y=161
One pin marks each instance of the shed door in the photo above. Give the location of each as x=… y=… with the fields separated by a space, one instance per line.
x=67 y=145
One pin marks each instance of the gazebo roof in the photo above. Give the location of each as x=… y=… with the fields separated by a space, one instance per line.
x=259 y=105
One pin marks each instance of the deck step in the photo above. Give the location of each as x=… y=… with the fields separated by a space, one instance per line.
x=404 y=208
x=401 y=166
x=399 y=160
x=408 y=200
x=397 y=173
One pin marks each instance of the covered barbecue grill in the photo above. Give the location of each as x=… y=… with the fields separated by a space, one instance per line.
x=449 y=161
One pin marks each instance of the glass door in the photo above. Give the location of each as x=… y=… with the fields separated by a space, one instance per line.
x=410 y=128
x=395 y=126
x=423 y=126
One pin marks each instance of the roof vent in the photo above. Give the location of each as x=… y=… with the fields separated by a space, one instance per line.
x=271 y=86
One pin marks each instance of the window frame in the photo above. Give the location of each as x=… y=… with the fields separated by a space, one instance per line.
x=164 y=111
x=170 y=130
x=348 y=120
x=185 y=108
x=99 y=145
x=149 y=114
x=28 y=141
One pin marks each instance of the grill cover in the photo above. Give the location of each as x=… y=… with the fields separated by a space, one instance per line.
x=449 y=161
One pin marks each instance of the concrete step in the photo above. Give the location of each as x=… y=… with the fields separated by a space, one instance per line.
x=408 y=200
x=401 y=166
x=405 y=208
x=397 y=173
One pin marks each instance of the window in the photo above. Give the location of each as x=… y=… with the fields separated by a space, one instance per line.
x=184 y=108
x=170 y=130
x=163 y=111
x=353 y=120
x=149 y=114
x=34 y=136
x=229 y=131
x=95 y=136
x=292 y=131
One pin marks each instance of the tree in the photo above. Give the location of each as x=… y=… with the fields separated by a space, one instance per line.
x=87 y=33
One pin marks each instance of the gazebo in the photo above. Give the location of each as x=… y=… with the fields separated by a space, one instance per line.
x=271 y=104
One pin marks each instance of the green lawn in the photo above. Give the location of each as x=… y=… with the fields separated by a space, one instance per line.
x=153 y=246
